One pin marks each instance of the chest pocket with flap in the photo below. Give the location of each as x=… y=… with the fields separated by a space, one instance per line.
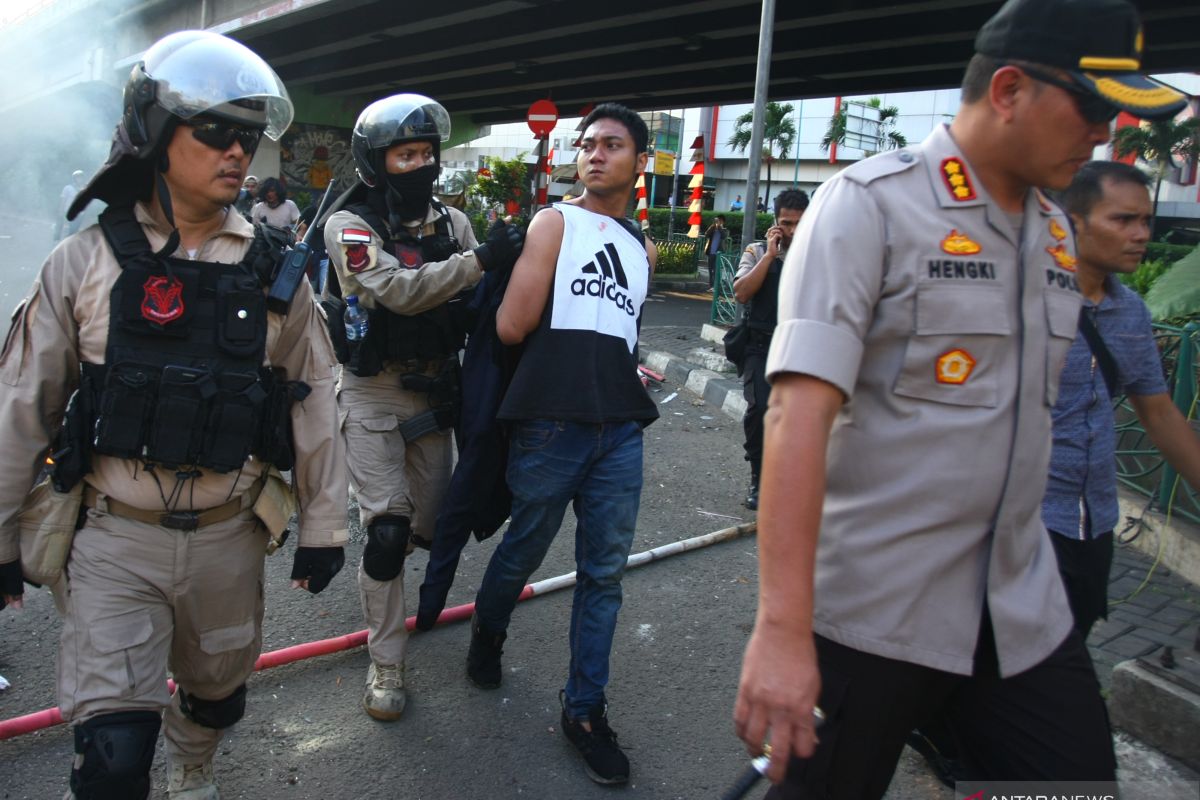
x=958 y=335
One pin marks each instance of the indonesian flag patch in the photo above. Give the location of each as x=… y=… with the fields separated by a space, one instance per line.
x=355 y=236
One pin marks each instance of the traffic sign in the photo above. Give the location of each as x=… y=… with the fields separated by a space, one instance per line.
x=542 y=117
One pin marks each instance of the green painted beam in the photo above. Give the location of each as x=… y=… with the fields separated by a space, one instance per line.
x=343 y=111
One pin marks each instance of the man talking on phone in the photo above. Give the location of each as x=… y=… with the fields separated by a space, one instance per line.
x=756 y=285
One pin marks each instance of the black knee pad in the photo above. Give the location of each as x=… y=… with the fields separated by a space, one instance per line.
x=387 y=539
x=216 y=714
x=113 y=753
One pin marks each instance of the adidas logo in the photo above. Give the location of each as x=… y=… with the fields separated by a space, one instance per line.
x=609 y=282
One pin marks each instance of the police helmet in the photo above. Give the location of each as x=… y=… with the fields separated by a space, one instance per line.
x=182 y=76
x=399 y=118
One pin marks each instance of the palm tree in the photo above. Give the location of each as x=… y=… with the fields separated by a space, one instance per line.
x=889 y=137
x=778 y=134
x=1158 y=143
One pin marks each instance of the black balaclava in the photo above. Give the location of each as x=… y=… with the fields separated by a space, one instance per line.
x=408 y=194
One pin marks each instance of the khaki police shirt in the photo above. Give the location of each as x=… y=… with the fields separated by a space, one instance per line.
x=366 y=269
x=909 y=290
x=64 y=321
x=752 y=254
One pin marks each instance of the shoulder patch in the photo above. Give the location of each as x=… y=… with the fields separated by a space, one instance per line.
x=882 y=165
x=354 y=235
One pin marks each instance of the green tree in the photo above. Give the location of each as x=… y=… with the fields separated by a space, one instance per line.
x=778 y=134
x=889 y=137
x=503 y=183
x=1158 y=143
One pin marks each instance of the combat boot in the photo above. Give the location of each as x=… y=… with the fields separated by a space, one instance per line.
x=751 y=501
x=192 y=782
x=483 y=656
x=384 y=697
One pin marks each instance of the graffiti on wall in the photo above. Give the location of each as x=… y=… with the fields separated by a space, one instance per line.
x=311 y=155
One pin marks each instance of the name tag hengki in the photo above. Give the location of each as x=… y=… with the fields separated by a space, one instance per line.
x=961 y=269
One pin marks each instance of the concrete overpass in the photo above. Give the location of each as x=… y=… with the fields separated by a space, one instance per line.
x=487 y=60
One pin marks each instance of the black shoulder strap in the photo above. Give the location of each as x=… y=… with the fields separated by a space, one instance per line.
x=369 y=216
x=1104 y=358
x=442 y=226
x=124 y=234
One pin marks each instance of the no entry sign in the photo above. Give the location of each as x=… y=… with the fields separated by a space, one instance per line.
x=542 y=116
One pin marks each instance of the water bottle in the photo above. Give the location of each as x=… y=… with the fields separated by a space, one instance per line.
x=356 y=320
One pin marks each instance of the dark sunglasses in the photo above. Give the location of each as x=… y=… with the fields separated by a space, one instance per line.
x=1092 y=108
x=221 y=135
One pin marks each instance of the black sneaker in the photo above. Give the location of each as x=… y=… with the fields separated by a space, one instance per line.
x=602 y=757
x=483 y=657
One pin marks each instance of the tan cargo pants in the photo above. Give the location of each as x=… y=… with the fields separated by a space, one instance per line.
x=390 y=476
x=140 y=599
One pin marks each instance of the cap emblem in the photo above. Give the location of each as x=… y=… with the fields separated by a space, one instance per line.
x=954 y=173
x=959 y=244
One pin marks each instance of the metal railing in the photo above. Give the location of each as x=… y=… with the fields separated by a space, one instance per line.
x=1140 y=467
x=724 y=304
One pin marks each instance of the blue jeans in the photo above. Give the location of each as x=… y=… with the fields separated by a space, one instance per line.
x=598 y=468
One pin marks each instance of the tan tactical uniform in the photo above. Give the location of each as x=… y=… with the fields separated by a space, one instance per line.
x=139 y=598
x=389 y=475
x=945 y=323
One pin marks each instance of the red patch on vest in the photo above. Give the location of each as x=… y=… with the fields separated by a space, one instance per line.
x=409 y=257
x=358 y=257
x=163 y=301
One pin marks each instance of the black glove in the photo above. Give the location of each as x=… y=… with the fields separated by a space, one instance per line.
x=318 y=565
x=503 y=245
x=10 y=581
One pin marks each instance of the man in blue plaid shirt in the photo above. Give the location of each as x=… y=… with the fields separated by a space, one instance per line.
x=1109 y=205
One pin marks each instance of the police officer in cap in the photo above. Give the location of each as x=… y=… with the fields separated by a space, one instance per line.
x=406 y=258
x=150 y=338
x=925 y=311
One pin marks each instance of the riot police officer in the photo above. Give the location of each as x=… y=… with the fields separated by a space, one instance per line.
x=183 y=390
x=407 y=258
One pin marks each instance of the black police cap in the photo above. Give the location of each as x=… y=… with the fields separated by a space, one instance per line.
x=1097 y=42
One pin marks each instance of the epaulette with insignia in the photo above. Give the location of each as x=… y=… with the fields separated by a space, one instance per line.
x=880 y=166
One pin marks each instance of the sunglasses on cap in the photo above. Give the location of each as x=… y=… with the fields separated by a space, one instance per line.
x=221 y=135
x=1092 y=108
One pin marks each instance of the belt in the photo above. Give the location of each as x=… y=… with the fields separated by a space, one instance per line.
x=175 y=520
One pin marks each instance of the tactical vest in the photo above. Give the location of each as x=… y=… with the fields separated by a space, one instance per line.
x=433 y=335
x=762 y=312
x=183 y=383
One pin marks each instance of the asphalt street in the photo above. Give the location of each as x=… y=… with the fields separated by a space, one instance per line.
x=675 y=660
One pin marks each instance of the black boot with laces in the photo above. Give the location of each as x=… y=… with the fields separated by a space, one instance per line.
x=602 y=757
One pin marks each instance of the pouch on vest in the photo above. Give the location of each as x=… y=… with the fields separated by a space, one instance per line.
x=46 y=525
x=241 y=319
x=72 y=454
x=276 y=504
x=275 y=432
x=233 y=425
x=126 y=400
x=180 y=414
